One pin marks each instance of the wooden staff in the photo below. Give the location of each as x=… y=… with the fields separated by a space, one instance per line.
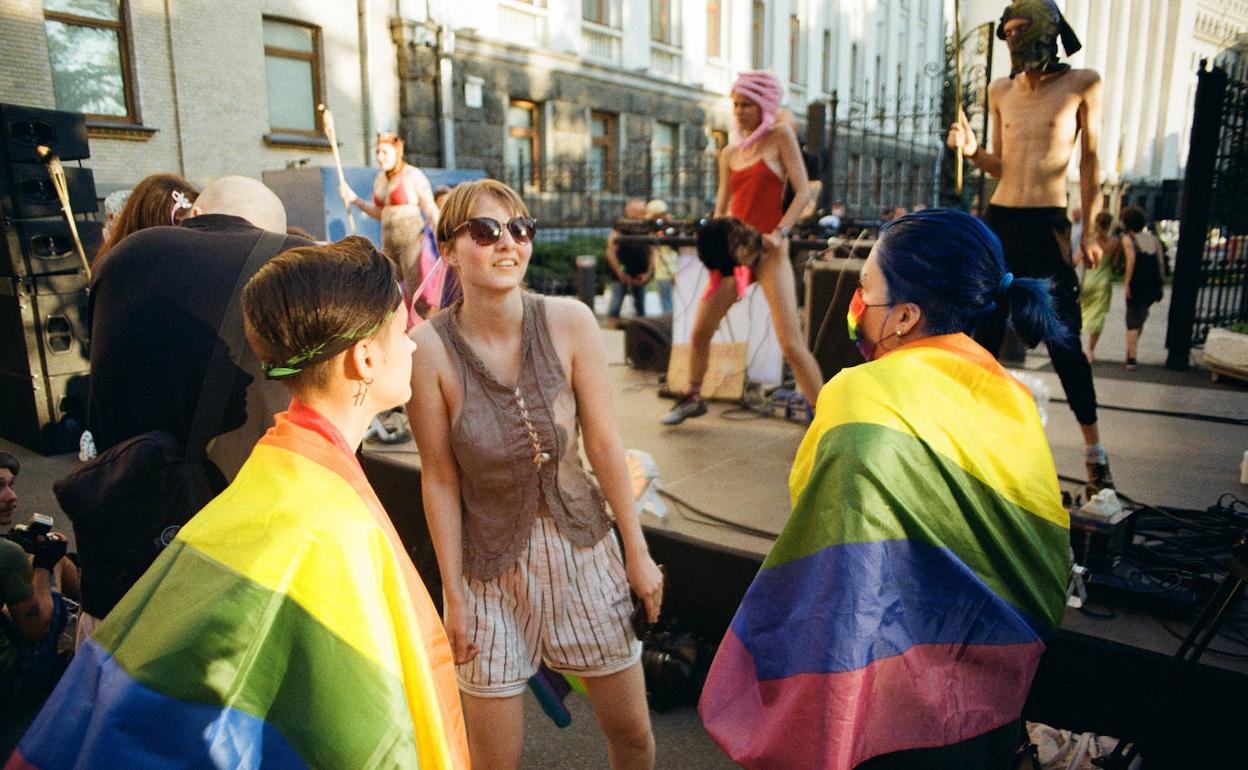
x=957 y=98
x=57 y=172
x=327 y=120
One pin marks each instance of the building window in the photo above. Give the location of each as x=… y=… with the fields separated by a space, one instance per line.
x=602 y=152
x=292 y=70
x=90 y=58
x=714 y=29
x=523 y=145
x=758 y=26
x=795 y=49
x=661 y=22
x=827 y=61
x=597 y=11
x=663 y=163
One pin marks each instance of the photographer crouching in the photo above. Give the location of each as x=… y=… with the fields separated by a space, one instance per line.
x=33 y=615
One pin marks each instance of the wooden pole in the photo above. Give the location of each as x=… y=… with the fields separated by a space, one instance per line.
x=957 y=87
x=327 y=121
x=57 y=172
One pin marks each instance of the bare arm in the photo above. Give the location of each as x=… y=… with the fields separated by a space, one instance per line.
x=430 y=418
x=605 y=450
x=961 y=134
x=33 y=617
x=367 y=206
x=1090 y=166
x=724 y=193
x=422 y=193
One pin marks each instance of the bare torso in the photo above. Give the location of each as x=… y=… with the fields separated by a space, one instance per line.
x=1037 y=124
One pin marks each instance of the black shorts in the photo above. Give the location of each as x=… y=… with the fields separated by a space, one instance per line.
x=1137 y=314
x=1036 y=241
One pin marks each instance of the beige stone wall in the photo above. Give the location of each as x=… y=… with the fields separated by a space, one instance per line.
x=214 y=120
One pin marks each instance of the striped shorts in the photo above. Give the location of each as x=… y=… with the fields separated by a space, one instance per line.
x=562 y=603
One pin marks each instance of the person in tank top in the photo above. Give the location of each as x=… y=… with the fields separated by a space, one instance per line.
x=752 y=175
x=505 y=383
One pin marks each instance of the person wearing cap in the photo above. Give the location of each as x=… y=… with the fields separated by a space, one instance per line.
x=752 y=174
x=1028 y=208
x=664 y=258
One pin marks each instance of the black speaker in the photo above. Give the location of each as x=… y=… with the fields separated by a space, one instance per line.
x=648 y=342
x=830 y=285
x=24 y=129
x=44 y=363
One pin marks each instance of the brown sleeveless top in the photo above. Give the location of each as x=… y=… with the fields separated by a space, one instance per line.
x=518 y=449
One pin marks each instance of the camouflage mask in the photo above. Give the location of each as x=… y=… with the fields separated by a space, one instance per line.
x=1035 y=48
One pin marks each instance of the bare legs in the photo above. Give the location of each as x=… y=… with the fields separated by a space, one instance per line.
x=775 y=277
x=1133 y=341
x=496 y=725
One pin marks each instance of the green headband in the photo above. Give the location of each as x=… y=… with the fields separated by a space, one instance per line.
x=313 y=354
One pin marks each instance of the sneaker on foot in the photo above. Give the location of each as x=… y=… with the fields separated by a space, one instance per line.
x=1131 y=365
x=1099 y=477
x=690 y=406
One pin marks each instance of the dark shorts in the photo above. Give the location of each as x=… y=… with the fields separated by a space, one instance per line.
x=1036 y=241
x=1137 y=314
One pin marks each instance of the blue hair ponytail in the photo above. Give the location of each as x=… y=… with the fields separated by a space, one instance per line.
x=952 y=266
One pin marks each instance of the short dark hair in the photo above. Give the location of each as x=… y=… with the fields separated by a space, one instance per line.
x=952 y=266
x=1133 y=218
x=308 y=304
x=10 y=463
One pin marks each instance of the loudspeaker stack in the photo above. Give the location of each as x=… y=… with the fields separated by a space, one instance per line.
x=43 y=291
x=830 y=285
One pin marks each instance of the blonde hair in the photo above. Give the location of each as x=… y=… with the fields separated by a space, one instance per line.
x=458 y=206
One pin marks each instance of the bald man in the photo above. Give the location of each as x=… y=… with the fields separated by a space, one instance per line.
x=156 y=303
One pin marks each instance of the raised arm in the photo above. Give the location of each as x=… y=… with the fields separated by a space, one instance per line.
x=430 y=418
x=1090 y=165
x=367 y=206
x=604 y=448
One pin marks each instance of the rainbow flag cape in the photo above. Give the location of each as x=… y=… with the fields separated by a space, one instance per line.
x=906 y=601
x=285 y=627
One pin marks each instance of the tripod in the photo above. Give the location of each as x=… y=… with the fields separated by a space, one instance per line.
x=1203 y=631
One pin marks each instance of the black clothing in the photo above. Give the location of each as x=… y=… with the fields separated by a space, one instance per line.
x=634 y=257
x=812 y=175
x=1146 y=280
x=1037 y=245
x=156 y=303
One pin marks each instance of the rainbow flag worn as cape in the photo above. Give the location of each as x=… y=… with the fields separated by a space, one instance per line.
x=285 y=627
x=906 y=602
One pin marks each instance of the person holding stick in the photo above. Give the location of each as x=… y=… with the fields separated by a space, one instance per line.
x=1028 y=207
x=752 y=173
x=403 y=201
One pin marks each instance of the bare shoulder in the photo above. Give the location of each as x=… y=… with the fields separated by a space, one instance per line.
x=430 y=352
x=569 y=317
x=999 y=86
x=1086 y=78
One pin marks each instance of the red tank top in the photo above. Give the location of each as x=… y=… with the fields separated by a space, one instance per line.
x=756 y=196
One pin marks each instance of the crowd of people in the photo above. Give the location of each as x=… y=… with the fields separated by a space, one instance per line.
x=283 y=622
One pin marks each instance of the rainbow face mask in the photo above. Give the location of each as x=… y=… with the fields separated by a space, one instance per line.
x=853 y=320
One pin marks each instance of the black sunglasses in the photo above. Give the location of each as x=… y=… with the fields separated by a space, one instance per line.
x=486 y=231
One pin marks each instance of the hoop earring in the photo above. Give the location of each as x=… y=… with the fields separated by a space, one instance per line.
x=362 y=391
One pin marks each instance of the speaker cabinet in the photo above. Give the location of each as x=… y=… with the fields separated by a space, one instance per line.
x=27 y=192
x=45 y=247
x=830 y=285
x=648 y=342
x=24 y=129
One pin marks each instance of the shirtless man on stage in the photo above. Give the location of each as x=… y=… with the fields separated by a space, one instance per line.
x=1039 y=112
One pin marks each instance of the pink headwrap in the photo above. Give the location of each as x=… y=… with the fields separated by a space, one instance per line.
x=762 y=88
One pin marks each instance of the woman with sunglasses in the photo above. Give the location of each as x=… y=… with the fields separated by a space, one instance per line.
x=902 y=612
x=752 y=175
x=403 y=201
x=506 y=383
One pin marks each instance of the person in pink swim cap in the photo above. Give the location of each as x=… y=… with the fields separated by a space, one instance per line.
x=752 y=172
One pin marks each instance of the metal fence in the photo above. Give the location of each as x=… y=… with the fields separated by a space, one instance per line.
x=1211 y=270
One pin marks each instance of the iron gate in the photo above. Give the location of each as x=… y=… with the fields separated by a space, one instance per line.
x=1211 y=264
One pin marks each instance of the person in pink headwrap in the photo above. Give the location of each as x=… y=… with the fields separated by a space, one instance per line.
x=752 y=173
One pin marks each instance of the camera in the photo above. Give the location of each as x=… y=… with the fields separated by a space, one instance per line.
x=32 y=537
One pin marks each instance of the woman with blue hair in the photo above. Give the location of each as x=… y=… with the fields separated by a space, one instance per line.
x=902 y=612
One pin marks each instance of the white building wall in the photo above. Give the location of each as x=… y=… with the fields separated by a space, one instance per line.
x=1147 y=52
